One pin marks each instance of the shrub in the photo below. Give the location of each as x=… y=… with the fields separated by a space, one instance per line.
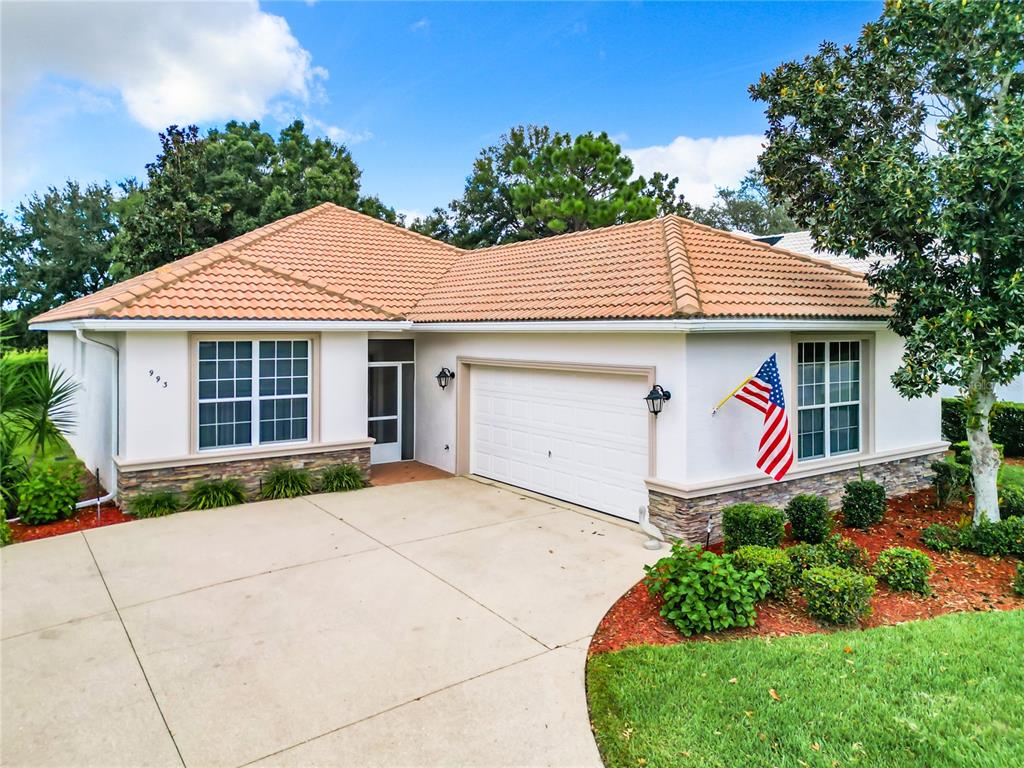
x=752 y=524
x=951 y=481
x=804 y=556
x=155 y=504
x=905 y=570
x=863 y=503
x=962 y=452
x=1006 y=424
x=1005 y=537
x=208 y=494
x=940 y=538
x=286 y=483
x=1018 y=580
x=773 y=563
x=809 y=518
x=705 y=592
x=5 y=531
x=1011 y=501
x=837 y=595
x=341 y=477
x=844 y=553
x=48 y=493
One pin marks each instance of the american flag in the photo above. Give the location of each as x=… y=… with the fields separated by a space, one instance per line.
x=764 y=392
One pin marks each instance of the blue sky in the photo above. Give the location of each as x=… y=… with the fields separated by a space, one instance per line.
x=415 y=89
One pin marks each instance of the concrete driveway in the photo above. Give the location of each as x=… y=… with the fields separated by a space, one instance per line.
x=434 y=623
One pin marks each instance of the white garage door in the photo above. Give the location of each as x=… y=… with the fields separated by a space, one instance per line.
x=580 y=437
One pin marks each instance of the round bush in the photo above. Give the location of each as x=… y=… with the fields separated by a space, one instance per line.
x=1011 y=501
x=48 y=493
x=705 y=592
x=835 y=550
x=837 y=595
x=904 y=570
x=940 y=538
x=809 y=518
x=773 y=563
x=752 y=524
x=1005 y=537
x=863 y=503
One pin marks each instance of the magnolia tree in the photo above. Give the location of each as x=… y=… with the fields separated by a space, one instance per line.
x=909 y=145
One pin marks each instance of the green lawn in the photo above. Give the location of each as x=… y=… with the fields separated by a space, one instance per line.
x=1012 y=474
x=942 y=692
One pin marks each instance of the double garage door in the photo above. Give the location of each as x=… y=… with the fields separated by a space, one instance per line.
x=581 y=437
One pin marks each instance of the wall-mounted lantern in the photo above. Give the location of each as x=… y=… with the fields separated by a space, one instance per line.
x=656 y=399
x=444 y=377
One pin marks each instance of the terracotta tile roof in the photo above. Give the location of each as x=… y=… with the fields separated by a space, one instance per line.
x=332 y=263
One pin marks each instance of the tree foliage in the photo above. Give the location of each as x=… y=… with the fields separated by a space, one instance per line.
x=536 y=182
x=910 y=144
x=748 y=208
x=57 y=249
x=202 y=190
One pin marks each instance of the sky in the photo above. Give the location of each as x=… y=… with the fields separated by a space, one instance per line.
x=415 y=90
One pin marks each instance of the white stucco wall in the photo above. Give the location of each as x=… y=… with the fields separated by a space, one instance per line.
x=156 y=418
x=342 y=387
x=435 y=408
x=725 y=446
x=93 y=369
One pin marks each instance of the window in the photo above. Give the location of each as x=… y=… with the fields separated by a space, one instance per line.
x=828 y=398
x=240 y=378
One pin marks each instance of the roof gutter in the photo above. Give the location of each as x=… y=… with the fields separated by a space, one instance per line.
x=677 y=325
x=115 y=420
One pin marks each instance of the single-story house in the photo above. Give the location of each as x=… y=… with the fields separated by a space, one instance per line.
x=802 y=242
x=326 y=337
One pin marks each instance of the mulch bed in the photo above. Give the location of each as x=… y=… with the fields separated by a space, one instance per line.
x=83 y=520
x=961 y=582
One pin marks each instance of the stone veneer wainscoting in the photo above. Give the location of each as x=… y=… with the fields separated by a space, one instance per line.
x=687 y=519
x=247 y=470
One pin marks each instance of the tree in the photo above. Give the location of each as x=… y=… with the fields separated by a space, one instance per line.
x=910 y=144
x=203 y=190
x=58 y=250
x=748 y=208
x=537 y=182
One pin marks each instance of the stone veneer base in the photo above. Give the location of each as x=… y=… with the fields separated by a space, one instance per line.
x=687 y=519
x=247 y=470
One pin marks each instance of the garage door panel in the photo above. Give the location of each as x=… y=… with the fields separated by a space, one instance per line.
x=577 y=436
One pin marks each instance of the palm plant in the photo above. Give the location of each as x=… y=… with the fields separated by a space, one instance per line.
x=41 y=404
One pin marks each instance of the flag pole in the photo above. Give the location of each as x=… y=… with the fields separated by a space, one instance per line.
x=726 y=398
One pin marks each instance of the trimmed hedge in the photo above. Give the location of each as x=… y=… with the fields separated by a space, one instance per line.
x=1007 y=425
x=809 y=517
x=837 y=595
x=752 y=524
x=863 y=503
x=905 y=570
x=773 y=563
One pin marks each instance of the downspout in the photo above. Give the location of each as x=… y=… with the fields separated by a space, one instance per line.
x=114 y=419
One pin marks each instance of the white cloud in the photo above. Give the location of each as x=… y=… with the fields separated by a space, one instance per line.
x=702 y=165
x=420 y=25
x=335 y=133
x=178 y=62
x=410 y=214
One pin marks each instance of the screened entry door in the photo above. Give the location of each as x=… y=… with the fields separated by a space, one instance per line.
x=385 y=412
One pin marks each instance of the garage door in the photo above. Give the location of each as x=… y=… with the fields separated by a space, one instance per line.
x=580 y=437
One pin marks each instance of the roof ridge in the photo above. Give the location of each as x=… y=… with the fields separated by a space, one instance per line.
x=321 y=285
x=680 y=270
x=390 y=226
x=565 y=235
x=175 y=271
x=757 y=243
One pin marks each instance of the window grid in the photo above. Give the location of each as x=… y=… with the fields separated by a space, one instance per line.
x=240 y=381
x=828 y=398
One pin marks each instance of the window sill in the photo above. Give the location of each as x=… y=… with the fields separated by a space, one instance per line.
x=226 y=455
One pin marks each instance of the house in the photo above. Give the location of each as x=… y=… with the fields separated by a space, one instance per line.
x=327 y=336
x=802 y=242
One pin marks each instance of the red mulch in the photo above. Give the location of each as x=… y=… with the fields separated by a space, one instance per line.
x=961 y=582
x=84 y=519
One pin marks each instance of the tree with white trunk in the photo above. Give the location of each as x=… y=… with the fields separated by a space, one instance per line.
x=909 y=143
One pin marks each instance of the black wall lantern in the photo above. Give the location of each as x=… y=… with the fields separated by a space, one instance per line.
x=656 y=398
x=444 y=378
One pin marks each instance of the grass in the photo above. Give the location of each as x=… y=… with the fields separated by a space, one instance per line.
x=1012 y=474
x=943 y=692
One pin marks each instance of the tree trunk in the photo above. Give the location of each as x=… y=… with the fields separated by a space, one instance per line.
x=981 y=397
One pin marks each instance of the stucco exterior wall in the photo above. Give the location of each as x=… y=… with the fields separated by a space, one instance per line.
x=93 y=369
x=342 y=387
x=436 y=408
x=155 y=417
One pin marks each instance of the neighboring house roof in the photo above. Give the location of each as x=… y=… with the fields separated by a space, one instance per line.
x=332 y=263
x=802 y=242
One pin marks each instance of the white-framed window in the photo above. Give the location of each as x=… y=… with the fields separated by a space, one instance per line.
x=242 y=381
x=829 y=402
